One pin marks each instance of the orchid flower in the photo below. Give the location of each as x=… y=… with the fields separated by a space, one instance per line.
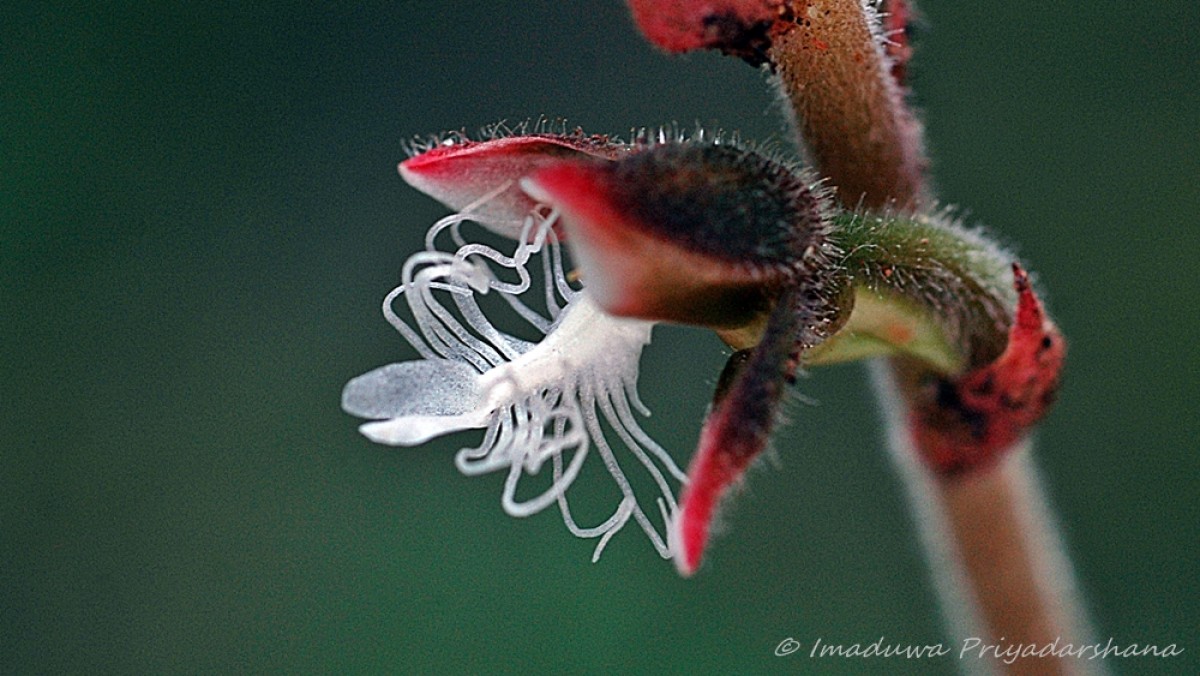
x=704 y=231
x=695 y=231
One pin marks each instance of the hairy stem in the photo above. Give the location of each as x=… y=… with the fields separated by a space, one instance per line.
x=924 y=287
x=939 y=298
x=1000 y=568
x=979 y=358
x=833 y=70
x=1010 y=544
x=997 y=562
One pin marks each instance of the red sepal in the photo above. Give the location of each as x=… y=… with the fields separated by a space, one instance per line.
x=738 y=27
x=463 y=173
x=738 y=428
x=969 y=422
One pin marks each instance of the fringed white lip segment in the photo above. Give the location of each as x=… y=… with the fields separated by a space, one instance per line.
x=537 y=402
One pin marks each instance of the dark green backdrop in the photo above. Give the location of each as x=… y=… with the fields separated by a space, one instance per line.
x=199 y=214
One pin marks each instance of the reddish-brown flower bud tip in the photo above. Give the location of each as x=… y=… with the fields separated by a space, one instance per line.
x=738 y=27
x=721 y=459
x=684 y=233
x=969 y=422
x=483 y=176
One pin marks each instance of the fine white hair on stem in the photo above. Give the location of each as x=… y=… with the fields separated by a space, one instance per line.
x=568 y=396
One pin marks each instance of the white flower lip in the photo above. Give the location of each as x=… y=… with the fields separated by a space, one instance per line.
x=420 y=400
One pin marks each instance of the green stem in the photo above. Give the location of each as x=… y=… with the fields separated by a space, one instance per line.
x=924 y=287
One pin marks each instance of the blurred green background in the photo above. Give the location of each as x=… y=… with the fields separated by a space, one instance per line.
x=199 y=214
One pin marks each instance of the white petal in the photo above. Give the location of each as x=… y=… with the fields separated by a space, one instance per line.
x=432 y=387
x=412 y=430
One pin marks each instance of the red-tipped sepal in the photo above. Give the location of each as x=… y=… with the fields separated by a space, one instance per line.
x=963 y=424
x=737 y=429
x=689 y=233
x=483 y=176
x=738 y=27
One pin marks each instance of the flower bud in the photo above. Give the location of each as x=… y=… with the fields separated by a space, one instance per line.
x=686 y=232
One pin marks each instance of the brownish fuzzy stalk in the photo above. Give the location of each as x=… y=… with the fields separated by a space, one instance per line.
x=999 y=568
x=849 y=109
x=998 y=562
x=1019 y=592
